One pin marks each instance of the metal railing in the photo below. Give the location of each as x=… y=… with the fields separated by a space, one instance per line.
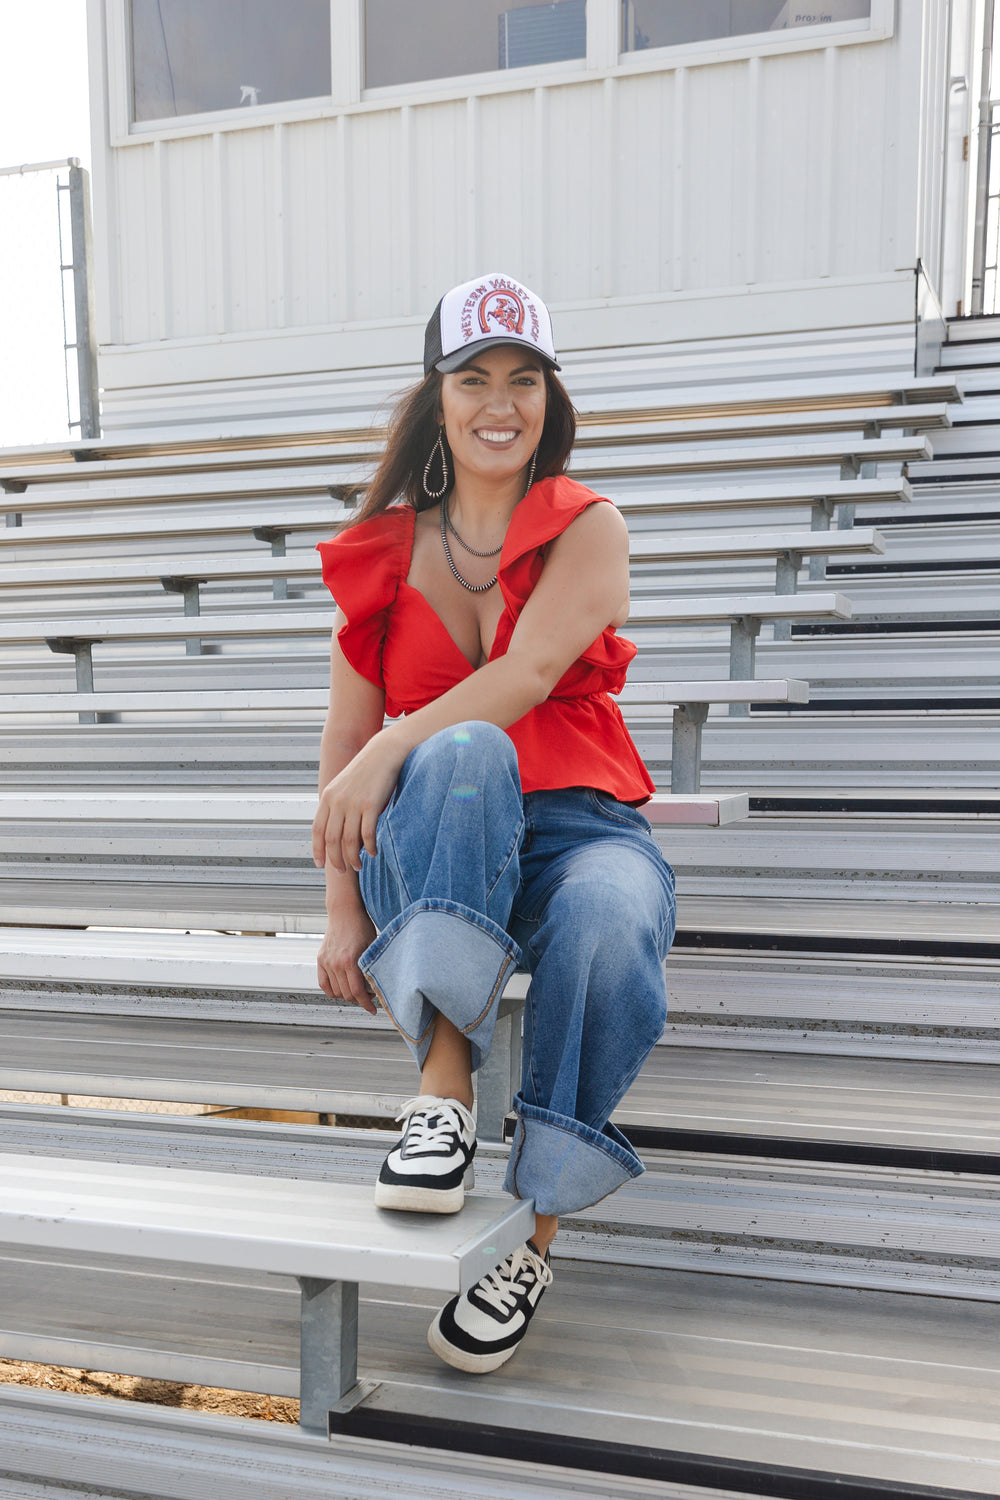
x=84 y=342
x=988 y=259
x=984 y=245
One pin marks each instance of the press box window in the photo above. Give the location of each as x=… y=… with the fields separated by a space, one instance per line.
x=408 y=41
x=194 y=56
x=672 y=23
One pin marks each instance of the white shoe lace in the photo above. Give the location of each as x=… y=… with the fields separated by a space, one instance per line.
x=436 y=1120
x=502 y=1287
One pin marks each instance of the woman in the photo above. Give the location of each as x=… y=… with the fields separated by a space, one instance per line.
x=493 y=823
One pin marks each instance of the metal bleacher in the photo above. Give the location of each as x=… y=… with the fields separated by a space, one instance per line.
x=801 y=1296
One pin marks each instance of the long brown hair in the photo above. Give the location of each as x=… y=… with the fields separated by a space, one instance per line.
x=413 y=431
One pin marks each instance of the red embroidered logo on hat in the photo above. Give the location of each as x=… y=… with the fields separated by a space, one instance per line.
x=504 y=309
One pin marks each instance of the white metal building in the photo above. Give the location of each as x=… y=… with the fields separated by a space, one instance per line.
x=709 y=190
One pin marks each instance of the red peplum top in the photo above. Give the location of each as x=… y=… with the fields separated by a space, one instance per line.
x=393 y=637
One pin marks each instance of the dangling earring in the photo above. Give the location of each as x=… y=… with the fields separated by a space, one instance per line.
x=436 y=494
x=531 y=471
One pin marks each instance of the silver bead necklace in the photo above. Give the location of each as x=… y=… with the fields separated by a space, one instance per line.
x=473 y=588
x=449 y=523
x=446 y=526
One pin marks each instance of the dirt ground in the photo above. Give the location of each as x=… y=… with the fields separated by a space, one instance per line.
x=152 y=1392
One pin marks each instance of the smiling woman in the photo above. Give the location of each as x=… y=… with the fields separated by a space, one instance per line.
x=495 y=823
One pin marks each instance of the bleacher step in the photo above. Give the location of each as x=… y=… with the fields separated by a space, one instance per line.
x=919 y=1231
x=895 y=1109
x=946 y=928
x=71 y=1447
x=730 y=1382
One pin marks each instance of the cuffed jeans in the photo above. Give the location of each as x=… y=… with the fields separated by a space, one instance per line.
x=472 y=880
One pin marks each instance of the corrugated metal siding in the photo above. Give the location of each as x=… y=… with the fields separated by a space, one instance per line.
x=934 y=125
x=861 y=209
x=747 y=172
x=188 y=193
x=313 y=207
x=814 y=177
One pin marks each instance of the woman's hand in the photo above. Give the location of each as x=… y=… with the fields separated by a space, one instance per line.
x=349 y=805
x=348 y=934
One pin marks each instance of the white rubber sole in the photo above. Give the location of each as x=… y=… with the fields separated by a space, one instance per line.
x=423 y=1200
x=417 y=1200
x=472 y=1364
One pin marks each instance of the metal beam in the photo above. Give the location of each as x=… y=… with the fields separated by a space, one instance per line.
x=328 y=1360
x=40 y=166
x=83 y=296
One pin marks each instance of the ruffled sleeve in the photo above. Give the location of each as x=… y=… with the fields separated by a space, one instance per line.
x=545 y=512
x=363 y=568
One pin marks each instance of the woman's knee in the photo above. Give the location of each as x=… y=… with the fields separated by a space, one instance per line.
x=476 y=748
x=612 y=930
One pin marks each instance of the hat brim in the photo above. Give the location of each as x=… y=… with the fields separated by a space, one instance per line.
x=452 y=362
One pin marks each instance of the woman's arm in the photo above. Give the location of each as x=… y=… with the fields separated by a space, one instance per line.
x=583 y=589
x=355 y=715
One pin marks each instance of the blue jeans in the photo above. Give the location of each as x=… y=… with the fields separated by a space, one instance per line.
x=472 y=880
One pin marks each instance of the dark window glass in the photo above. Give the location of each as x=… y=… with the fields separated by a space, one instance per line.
x=669 y=23
x=189 y=56
x=407 y=41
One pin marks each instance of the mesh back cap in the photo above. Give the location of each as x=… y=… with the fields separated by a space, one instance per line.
x=481 y=314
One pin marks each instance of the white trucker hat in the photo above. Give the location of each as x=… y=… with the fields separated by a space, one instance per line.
x=481 y=314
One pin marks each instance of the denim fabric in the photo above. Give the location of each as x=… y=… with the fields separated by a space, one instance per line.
x=472 y=879
x=441 y=888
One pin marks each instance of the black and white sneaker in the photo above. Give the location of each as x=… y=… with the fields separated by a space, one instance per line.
x=428 y=1170
x=480 y=1331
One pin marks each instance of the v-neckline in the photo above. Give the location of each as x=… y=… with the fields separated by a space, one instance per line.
x=405 y=583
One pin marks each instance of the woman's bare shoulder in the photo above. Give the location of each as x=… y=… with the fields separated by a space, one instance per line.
x=598 y=525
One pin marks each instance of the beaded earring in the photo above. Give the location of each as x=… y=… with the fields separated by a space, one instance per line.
x=436 y=494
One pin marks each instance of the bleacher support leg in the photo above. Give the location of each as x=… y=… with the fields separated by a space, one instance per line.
x=328 y=1349
x=786 y=581
x=822 y=513
x=81 y=654
x=742 y=658
x=189 y=588
x=845 y=514
x=274 y=535
x=685 y=747
x=500 y=1076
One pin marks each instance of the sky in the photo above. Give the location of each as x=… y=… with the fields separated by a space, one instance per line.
x=44 y=115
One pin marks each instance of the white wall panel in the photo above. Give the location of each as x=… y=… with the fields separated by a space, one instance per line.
x=376 y=210
x=251 y=200
x=138 y=233
x=189 y=225
x=506 y=178
x=580 y=203
x=640 y=200
x=934 y=120
x=746 y=172
x=715 y=166
x=442 y=193
x=642 y=163
x=860 y=226
x=791 y=136
x=314 y=210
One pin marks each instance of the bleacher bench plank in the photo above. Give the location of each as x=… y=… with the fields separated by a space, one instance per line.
x=730 y=608
x=211 y=808
x=328 y=1236
x=106 y=525
x=819 y=924
x=583 y=465
x=241 y=567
